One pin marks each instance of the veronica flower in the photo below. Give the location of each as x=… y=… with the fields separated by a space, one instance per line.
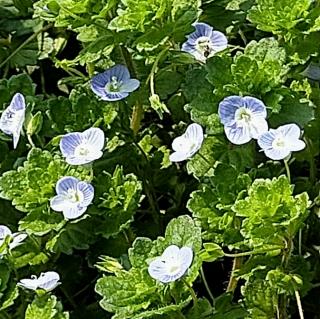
x=114 y=84
x=12 y=118
x=46 y=281
x=187 y=144
x=204 y=42
x=82 y=147
x=172 y=264
x=16 y=239
x=243 y=118
x=278 y=144
x=73 y=197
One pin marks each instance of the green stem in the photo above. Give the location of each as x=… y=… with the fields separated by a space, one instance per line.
x=254 y=252
x=206 y=285
x=286 y=165
x=30 y=141
x=23 y=44
x=233 y=281
x=193 y=294
x=296 y=292
x=313 y=168
x=154 y=69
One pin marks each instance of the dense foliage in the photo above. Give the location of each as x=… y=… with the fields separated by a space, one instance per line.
x=252 y=227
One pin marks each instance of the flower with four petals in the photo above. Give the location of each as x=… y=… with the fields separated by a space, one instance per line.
x=204 y=42
x=46 y=281
x=243 y=118
x=114 y=84
x=172 y=264
x=73 y=197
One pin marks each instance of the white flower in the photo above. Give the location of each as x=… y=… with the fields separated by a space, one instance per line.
x=172 y=264
x=73 y=197
x=12 y=118
x=46 y=281
x=243 y=118
x=278 y=144
x=16 y=239
x=82 y=147
x=186 y=145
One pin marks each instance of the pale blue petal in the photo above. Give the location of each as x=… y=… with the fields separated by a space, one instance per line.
x=58 y=203
x=238 y=135
x=277 y=154
x=186 y=257
x=227 y=109
x=95 y=137
x=18 y=103
x=17 y=240
x=81 y=160
x=73 y=212
x=266 y=139
x=256 y=106
x=194 y=132
x=48 y=280
x=69 y=142
x=65 y=183
x=100 y=80
x=120 y=72
x=114 y=96
x=219 y=41
x=297 y=145
x=87 y=191
x=157 y=270
x=130 y=85
x=291 y=130
x=202 y=30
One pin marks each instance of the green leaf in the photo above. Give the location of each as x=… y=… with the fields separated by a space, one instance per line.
x=260 y=299
x=278 y=16
x=211 y=252
x=271 y=212
x=32 y=185
x=134 y=293
x=45 y=307
x=117 y=196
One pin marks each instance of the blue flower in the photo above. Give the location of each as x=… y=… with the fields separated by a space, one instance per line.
x=204 y=42
x=46 y=281
x=12 y=118
x=114 y=84
x=186 y=145
x=82 y=147
x=279 y=143
x=172 y=264
x=243 y=118
x=73 y=197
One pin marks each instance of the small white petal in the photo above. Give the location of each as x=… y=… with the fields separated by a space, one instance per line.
x=4 y=231
x=171 y=252
x=17 y=239
x=186 y=257
x=48 y=280
x=73 y=212
x=238 y=135
x=178 y=157
x=66 y=183
x=58 y=203
x=29 y=283
x=95 y=137
x=258 y=126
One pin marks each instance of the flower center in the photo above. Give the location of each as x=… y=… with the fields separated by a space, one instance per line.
x=173 y=268
x=73 y=196
x=204 y=45
x=114 y=85
x=82 y=150
x=278 y=143
x=243 y=115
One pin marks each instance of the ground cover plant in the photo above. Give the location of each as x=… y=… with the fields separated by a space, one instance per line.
x=159 y=159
